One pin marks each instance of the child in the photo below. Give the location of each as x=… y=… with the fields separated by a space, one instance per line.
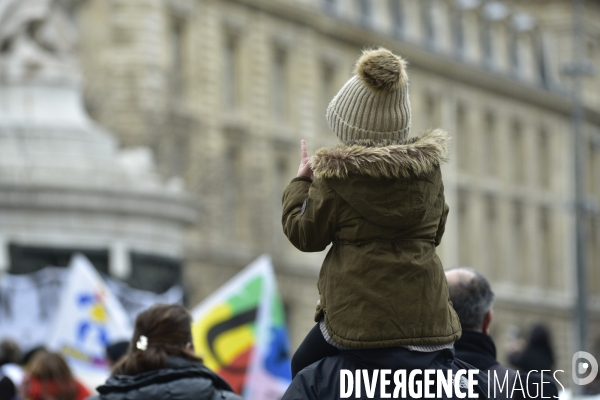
x=378 y=198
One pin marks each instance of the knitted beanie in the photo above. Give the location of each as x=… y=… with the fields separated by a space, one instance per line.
x=374 y=103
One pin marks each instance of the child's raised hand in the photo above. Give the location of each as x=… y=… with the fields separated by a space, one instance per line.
x=304 y=169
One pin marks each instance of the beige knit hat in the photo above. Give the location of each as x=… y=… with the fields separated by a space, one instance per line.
x=374 y=103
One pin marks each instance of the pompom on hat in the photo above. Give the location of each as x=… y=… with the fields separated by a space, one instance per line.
x=374 y=103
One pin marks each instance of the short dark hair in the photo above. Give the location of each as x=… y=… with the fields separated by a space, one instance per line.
x=472 y=298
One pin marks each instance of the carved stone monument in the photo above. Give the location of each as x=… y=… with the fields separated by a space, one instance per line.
x=63 y=181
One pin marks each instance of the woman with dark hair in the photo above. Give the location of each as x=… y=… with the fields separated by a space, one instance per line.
x=160 y=362
x=49 y=378
x=538 y=354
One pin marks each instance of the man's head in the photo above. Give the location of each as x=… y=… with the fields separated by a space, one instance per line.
x=471 y=297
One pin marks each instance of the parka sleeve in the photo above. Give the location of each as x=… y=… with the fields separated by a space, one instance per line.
x=442 y=225
x=309 y=214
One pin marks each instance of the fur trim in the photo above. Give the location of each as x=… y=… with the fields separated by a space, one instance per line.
x=381 y=70
x=382 y=159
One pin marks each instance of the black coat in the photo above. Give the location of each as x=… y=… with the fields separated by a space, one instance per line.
x=182 y=380
x=479 y=350
x=7 y=389
x=321 y=380
x=538 y=353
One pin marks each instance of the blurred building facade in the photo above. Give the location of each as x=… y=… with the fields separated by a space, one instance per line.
x=223 y=91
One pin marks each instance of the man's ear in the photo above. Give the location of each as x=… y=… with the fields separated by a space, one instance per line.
x=189 y=346
x=487 y=321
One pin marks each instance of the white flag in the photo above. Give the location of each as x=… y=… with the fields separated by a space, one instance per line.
x=38 y=294
x=89 y=318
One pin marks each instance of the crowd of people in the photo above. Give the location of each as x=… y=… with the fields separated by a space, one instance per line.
x=159 y=362
x=38 y=374
x=386 y=302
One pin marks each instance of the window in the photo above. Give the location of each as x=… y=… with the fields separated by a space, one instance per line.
x=230 y=73
x=27 y=259
x=232 y=182
x=177 y=59
x=281 y=179
x=595 y=170
x=513 y=53
x=398 y=23
x=458 y=33
x=365 y=13
x=427 y=21
x=492 y=240
x=462 y=138
x=489 y=146
x=546 y=258
x=540 y=60
x=589 y=49
x=486 y=44
x=518 y=144
x=331 y=6
x=593 y=164
x=465 y=250
x=279 y=86
x=180 y=155
x=433 y=110
x=519 y=243
x=328 y=91
x=544 y=156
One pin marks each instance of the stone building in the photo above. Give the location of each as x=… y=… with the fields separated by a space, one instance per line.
x=65 y=186
x=223 y=91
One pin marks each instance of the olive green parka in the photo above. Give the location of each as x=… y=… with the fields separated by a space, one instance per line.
x=381 y=206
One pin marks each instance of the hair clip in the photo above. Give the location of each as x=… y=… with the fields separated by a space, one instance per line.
x=142 y=343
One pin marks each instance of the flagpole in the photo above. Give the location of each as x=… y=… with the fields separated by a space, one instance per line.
x=577 y=70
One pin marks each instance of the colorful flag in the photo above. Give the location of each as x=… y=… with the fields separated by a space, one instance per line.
x=240 y=333
x=89 y=317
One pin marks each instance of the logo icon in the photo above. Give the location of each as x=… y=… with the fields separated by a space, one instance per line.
x=584 y=363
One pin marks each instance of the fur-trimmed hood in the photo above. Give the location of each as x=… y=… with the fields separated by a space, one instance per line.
x=387 y=159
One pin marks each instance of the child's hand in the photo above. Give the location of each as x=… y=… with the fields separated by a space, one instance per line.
x=304 y=169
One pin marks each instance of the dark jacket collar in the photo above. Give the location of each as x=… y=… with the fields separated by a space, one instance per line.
x=396 y=358
x=177 y=368
x=477 y=349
